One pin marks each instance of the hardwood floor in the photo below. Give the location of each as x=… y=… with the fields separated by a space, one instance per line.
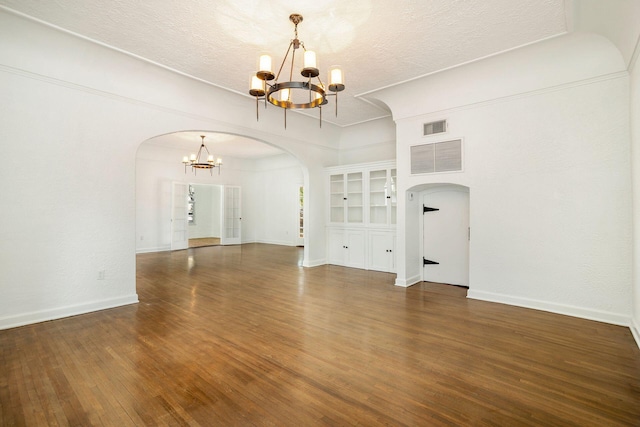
x=204 y=241
x=243 y=336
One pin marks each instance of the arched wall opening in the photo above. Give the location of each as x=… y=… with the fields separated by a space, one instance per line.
x=269 y=178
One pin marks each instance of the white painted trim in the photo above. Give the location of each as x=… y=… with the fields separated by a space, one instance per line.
x=635 y=330
x=521 y=95
x=383 y=164
x=67 y=311
x=634 y=56
x=405 y=283
x=275 y=242
x=150 y=250
x=568 y=310
x=314 y=262
x=442 y=70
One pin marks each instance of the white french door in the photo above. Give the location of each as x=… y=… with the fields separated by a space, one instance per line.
x=179 y=231
x=232 y=218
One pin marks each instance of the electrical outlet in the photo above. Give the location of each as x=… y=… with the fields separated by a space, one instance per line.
x=101 y=274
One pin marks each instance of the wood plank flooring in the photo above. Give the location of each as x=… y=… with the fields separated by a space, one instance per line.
x=203 y=241
x=244 y=336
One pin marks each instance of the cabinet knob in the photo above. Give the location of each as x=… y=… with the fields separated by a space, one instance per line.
x=344 y=198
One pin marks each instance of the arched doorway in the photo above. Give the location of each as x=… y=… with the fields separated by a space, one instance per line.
x=270 y=179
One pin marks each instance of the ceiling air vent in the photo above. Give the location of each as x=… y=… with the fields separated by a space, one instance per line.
x=434 y=127
x=439 y=157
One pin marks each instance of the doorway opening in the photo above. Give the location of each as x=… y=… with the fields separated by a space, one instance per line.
x=204 y=215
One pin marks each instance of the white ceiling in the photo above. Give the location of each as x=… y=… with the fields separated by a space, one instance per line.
x=378 y=43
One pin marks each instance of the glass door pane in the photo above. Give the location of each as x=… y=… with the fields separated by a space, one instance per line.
x=354 y=198
x=393 y=194
x=336 y=203
x=378 y=197
x=232 y=216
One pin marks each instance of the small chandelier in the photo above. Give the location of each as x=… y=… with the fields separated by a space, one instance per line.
x=195 y=162
x=295 y=94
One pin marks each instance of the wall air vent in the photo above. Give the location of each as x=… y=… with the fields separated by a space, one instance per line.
x=439 y=157
x=434 y=127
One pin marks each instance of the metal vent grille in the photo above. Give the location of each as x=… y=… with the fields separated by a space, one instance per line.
x=439 y=157
x=434 y=127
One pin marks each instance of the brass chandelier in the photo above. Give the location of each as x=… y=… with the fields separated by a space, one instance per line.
x=295 y=94
x=196 y=162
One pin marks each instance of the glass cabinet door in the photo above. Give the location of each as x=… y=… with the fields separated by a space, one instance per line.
x=378 y=197
x=337 y=198
x=392 y=194
x=382 y=197
x=354 y=198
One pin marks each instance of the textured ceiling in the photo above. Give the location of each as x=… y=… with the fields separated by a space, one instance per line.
x=378 y=43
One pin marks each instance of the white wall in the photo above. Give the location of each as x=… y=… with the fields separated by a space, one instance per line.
x=368 y=142
x=277 y=180
x=546 y=147
x=635 y=159
x=77 y=112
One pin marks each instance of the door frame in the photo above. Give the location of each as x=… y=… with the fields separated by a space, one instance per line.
x=176 y=245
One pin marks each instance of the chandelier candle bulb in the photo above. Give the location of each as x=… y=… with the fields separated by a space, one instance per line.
x=336 y=79
x=193 y=158
x=284 y=95
x=310 y=59
x=265 y=63
x=257 y=86
x=185 y=159
x=265 y=72
x=210 y=159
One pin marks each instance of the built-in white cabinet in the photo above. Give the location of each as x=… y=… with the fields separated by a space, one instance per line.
x=362 y=215
x=347 y=247
x=382 y=250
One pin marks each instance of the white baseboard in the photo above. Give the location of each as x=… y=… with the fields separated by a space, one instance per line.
x=405 y=283
x=149 y=250
x=68 y=311
x=635 y=330
x=314 y=262
x=569 y=310
x=275 y=242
